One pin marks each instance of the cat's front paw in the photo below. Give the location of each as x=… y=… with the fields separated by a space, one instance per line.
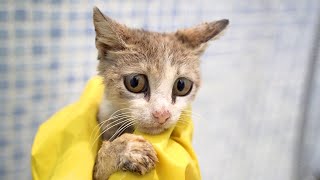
x=139 y=156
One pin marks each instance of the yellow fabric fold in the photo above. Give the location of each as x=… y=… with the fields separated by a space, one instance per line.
x=64 y=145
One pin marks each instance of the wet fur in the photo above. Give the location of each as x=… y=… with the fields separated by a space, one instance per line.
x=162 y=57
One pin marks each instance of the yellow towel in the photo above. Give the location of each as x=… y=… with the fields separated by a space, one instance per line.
x=63 y=149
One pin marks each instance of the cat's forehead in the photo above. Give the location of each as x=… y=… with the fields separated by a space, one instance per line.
x=162 y=47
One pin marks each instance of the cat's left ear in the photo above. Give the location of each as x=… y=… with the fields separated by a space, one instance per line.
x=198 y=36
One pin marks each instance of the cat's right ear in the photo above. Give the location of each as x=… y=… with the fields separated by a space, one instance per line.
x=110 y=35
x=197 y=37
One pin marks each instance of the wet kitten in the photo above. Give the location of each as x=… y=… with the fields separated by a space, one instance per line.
x=150 y=78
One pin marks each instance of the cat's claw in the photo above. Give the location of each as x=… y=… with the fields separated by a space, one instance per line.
x=139 y=156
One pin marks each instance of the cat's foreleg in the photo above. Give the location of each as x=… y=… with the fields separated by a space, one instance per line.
x=128 y=152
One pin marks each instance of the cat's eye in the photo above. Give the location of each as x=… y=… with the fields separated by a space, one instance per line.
x=182 y=87
x=136 y=83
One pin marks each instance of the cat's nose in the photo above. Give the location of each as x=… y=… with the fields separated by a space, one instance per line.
x=161 y=116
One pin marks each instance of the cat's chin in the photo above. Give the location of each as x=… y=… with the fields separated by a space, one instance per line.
x=151 y=130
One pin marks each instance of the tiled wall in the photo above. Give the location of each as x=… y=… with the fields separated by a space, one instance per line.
x=253 y=77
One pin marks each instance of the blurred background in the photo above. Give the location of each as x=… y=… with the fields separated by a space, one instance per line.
x=260 y=99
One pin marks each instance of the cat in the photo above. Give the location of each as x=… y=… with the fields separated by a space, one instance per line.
x=150 y=78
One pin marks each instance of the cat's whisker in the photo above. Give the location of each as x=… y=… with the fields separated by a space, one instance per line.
x=105 y=130
x=111 y=117
x=115 y=116
x=186 y=112
x=187 y=120
x=182 y=116
x=115 y=113
x=96 y=139
x=110 y=124
x=103 y=122
x=134 y=122
x=184 y=119
x=180 y=126
x=120 y=133
x=123 y=120
x=122 y=128
x=119 y=111
x=191 y=114
x=182 y=122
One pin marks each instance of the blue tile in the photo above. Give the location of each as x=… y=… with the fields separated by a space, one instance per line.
x=38 y=33
x=35 y=124
x=3 y=16
x=38 y=66
x=74 y=31
x=3 y=142
x=37 y=96
x=88 y=15
x=145 y=25
x=4 y=34
x=174 y=11
x=54 y=65
x=89 y=31
x=55 y=49
x=3 y=51
x=17 y=126
x=20 y=2
x=20 y=84
x=20 y=33
x=53 y=95
x=37 y=49
x=71 y=79
x=3 y=170
x=19 y=111
x=56 y=15
x=38 y=82
x=86 y=77
x=37 y=15
x=19 y=50
x=2 y=113
x=73 y=16
x=18 y=154
x=20 y=15
x=55 y=32
x=3 y=68
x=21 y=67
x=133 y=13
x=4 y=84
x=56 y=1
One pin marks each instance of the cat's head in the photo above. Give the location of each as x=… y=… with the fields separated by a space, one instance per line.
x=155 y=75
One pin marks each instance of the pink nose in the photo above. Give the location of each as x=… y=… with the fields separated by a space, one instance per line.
x=161 y=116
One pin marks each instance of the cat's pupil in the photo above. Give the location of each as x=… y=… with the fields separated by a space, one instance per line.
x=180 y=85
x=134 y=82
